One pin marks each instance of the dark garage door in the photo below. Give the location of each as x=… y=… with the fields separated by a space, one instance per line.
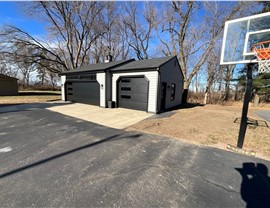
x=133 y=93
x=83 y=92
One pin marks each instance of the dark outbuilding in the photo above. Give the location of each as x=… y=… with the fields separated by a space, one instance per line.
x=8 y=85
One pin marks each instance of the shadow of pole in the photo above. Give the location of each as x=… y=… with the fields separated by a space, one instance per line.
x=253 y=123
x=40 y=162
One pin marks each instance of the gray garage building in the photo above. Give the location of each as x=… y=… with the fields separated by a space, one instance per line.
x=152 y=85
x=8 y=85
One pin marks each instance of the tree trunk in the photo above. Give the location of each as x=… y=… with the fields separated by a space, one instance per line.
x=207 y=92
x=236 y=93
x=206 y=96
x=256 y=100
x=227 y=91
x=42 y=79
x=185 y=92
x=197 y=83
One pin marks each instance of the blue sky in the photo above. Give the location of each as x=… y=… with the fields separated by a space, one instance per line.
x=10 y=13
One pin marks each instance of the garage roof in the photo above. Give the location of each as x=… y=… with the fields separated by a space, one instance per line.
x=144 y=64
x=98 y=67
x=2 y=76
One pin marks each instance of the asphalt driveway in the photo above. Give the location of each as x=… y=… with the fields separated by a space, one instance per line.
x=49 y=159
x=265 y=114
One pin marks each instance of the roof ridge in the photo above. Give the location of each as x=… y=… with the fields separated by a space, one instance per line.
x=130 y=64
x=153 y=63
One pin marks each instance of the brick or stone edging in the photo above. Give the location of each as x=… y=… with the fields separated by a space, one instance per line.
x=241 y=151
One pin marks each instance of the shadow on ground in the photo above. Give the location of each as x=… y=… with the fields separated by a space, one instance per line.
x=5 y=105
x=169 y=112
x=40 y=162
x=9 y=108
x=253 y=123
x=39 y=93
x=189 y=105
x=255 y=186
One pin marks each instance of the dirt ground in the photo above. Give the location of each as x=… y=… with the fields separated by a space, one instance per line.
x=30 y=97
x=212 y=125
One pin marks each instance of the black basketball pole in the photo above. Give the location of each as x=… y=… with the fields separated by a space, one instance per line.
x=243 y=125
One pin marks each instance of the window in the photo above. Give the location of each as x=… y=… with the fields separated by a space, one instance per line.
x=84 y=77
x=172 y=92
x=70 y=88
x=126 y=96
x=125 y=88
x=70 y=93
x=74 y=77
x=125 y=80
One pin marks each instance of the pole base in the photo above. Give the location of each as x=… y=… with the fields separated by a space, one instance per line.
x=241 y=151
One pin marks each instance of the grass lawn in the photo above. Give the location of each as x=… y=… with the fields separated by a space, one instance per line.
x=30 y=97
x=211 y=125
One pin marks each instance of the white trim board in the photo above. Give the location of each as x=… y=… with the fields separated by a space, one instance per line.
x=239 y=62
x=249 y=17
x=223 y=43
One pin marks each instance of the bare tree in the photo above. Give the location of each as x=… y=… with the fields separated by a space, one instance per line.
x=6 y=67
x=114 y=41
x=41 y=75
x=228 y=75
x=24 y=65
x=73 y=28
x=141 y=31
x=213 y=69
x=53 y=77
x=3 y=67
x=195 y=39
x=26 y=71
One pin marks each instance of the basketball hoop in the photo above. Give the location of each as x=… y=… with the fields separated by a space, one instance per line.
x=262 y=52
x=237 y=48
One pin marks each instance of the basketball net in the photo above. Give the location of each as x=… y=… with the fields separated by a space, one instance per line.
x=262 y=52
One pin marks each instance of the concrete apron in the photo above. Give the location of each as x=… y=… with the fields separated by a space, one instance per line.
x=118 y=118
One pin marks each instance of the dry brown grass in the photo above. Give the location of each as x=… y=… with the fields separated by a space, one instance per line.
x=211 y=125
x=30 y=97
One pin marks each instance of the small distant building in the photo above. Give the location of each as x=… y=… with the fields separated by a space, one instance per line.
x=8 y=85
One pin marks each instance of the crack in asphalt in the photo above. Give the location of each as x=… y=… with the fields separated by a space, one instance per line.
x=219 y=185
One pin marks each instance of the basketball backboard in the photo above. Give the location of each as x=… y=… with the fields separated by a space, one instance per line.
x=240 y=35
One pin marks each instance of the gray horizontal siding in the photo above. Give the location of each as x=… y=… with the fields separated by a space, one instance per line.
x=171 y=74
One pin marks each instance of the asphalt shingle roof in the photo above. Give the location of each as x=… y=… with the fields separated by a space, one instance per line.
x=123 y=65
x=2 y=76
x=143 y=64
x=98 y=67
